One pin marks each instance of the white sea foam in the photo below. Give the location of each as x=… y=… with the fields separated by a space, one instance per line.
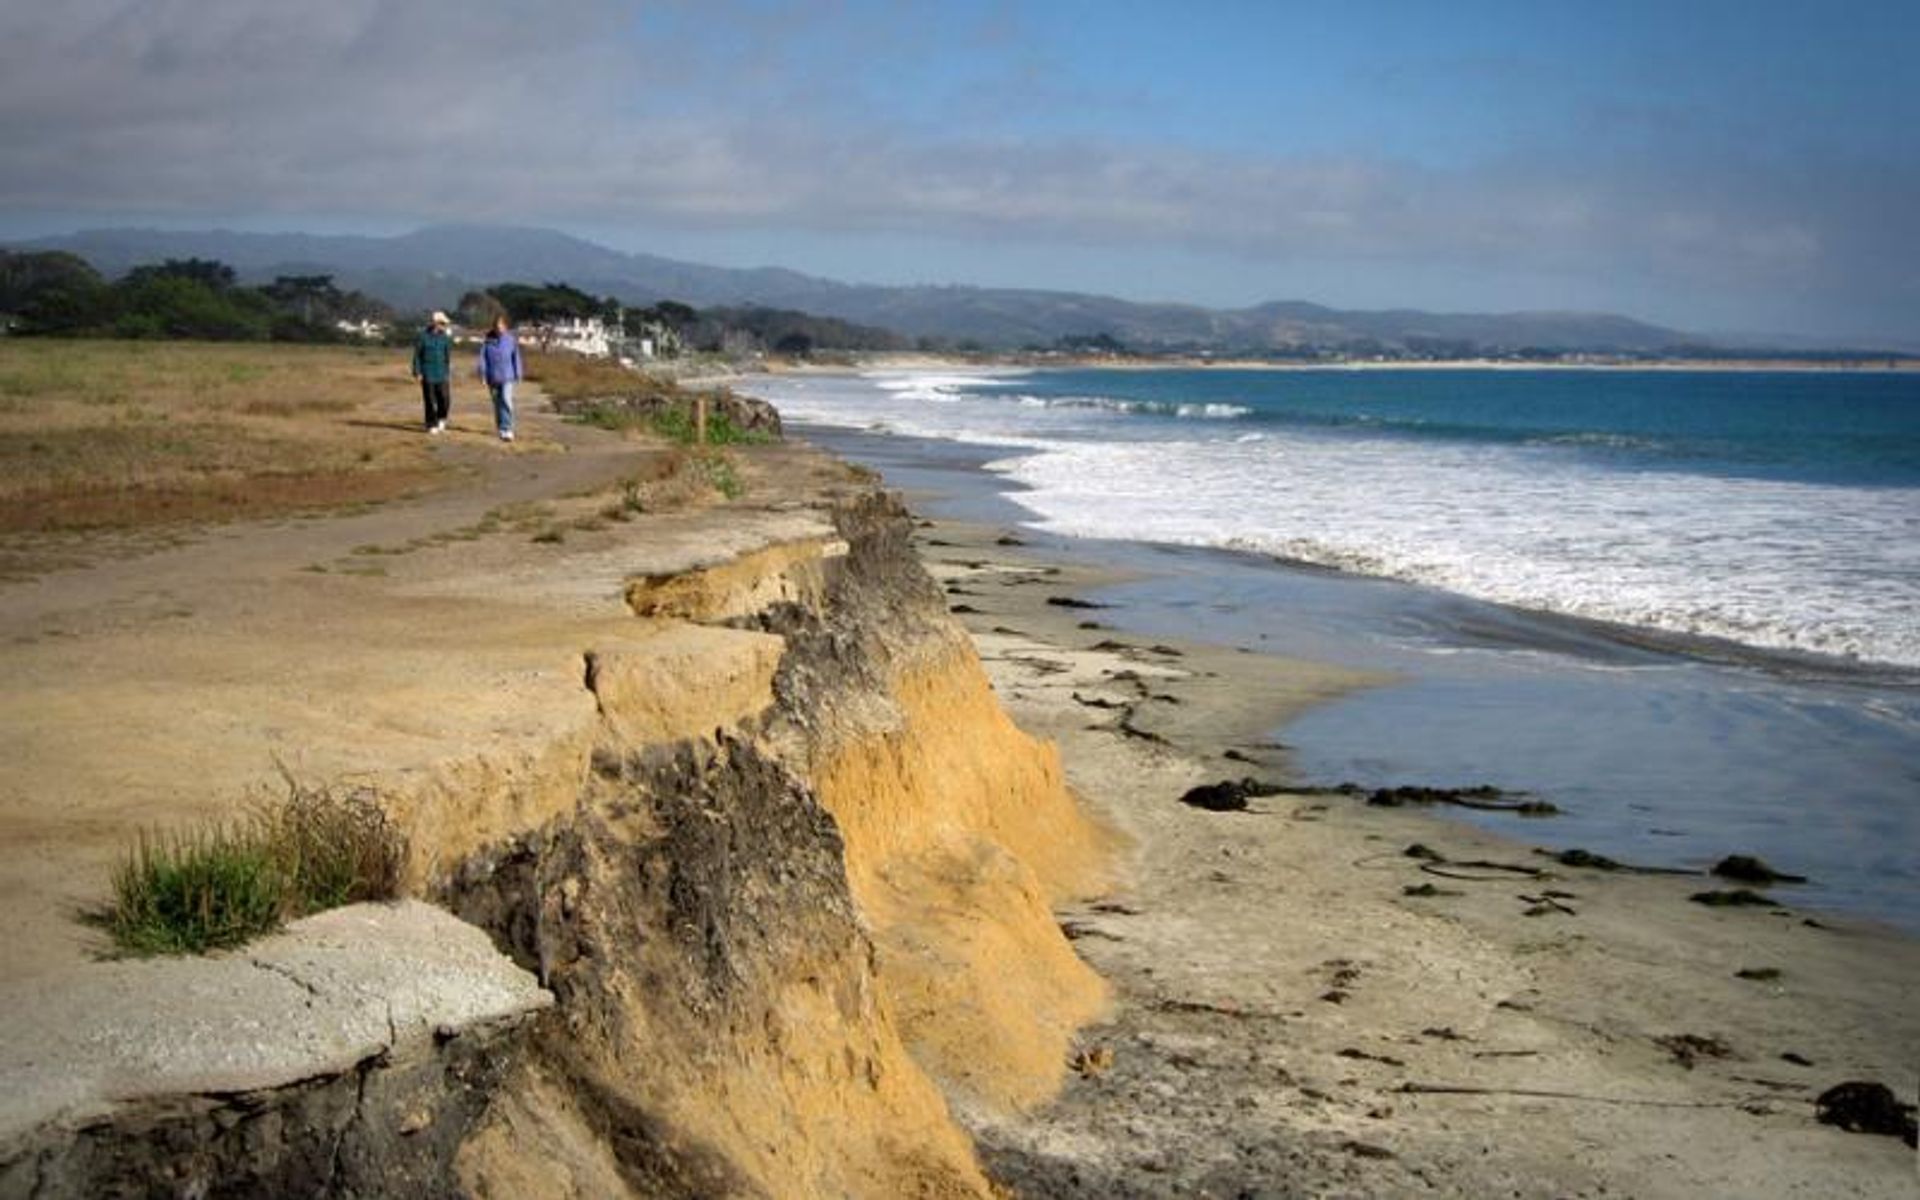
x=1208 y=412
x=1778 y=565
x=1793 y=566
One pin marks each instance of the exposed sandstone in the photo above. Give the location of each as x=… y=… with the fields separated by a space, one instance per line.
x=763 y=832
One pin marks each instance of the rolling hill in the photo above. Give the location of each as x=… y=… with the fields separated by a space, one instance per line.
x=432 y=267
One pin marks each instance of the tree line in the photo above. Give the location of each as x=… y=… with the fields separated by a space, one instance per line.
x=58 y=294
x=673 y=326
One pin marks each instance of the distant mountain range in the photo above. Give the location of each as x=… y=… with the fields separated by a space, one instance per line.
x=432 y=267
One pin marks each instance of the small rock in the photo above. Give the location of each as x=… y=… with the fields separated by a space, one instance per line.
x=1744 y=868
x=1689 y=1048
x=1093 y=1061
x=1863 y=1106
x=1228 y=795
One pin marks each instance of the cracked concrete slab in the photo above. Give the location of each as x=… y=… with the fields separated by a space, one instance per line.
x=332 y=991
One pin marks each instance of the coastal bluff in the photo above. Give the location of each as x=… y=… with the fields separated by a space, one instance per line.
x=727 y=873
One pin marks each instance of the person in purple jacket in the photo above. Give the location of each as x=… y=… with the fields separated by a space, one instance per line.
x=500 y=367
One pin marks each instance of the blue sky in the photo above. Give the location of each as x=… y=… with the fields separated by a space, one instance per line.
x=1715 y=166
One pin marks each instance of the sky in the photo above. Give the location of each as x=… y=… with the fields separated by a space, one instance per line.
x=1715 y=166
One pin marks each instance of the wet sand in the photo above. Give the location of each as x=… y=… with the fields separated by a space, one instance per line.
x=1306 y=1009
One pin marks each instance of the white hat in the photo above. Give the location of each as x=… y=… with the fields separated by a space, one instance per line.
x=440 y=318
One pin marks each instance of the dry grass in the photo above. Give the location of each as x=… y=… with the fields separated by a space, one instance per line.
x=565 y=376
x=124 y=435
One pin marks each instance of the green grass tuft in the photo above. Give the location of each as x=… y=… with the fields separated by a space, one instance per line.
x=224 y=884
x=676 y=424
x=720 y=472
x=189 y=893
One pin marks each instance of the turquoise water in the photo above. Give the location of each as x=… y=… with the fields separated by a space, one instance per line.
x=1850 y=428
x=1775 y=511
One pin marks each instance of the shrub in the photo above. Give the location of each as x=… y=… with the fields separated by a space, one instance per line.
x=672 y=419
x=193 y=892
x=334 y=847
x=677 y=425
x=720 y=472
x=223 y=884
x=563 y=376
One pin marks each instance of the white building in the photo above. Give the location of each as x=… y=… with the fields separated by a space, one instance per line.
x=580 y=335
x=365 y=327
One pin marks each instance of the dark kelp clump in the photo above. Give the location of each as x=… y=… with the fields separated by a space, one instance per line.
x=1745 y=868
x=1229 y=795
x=1863 y=1106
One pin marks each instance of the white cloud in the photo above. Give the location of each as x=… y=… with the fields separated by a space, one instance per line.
x=561 y=114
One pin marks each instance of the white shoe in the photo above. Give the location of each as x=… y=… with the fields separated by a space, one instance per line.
x=506 y=435
x=434 y=428
x=440 y=428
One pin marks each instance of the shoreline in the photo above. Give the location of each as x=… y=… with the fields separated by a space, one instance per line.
x=885 y=362
x=1619 y=801
x=1838 y=642
x=1295 y=1005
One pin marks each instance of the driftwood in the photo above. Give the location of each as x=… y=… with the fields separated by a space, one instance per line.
x=1484 y=798
x=1461 y=1089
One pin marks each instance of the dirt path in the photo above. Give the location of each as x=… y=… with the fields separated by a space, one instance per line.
x=148 y=689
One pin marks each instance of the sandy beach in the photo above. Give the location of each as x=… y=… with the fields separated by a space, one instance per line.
x=1306 y=1004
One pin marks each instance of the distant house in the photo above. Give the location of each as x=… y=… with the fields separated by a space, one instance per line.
x=577 y=335
x=365 y=327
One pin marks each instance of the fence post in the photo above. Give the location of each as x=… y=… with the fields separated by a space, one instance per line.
x=700 y=419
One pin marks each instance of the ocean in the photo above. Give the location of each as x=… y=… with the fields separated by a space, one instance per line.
x=1684 y=605
x=1779 y=511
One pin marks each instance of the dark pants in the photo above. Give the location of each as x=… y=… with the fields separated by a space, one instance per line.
x=437 y=396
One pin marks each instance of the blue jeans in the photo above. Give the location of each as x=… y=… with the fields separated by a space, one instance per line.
x=502 y=405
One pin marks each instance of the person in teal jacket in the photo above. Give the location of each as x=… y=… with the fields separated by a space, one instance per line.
x=433 y=367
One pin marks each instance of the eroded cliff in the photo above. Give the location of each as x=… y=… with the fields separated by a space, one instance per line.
x=770 y=845
x=773 y=934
